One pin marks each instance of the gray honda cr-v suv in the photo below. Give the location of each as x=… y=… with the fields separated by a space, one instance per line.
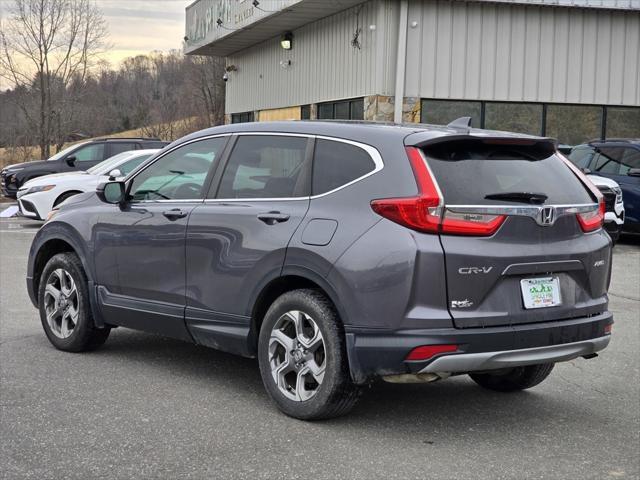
x=336 y=253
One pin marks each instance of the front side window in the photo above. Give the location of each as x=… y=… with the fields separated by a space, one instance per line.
x=265 y=166
x=127 y=167
x=178 y=175
x=337 y=163
x=90 y=153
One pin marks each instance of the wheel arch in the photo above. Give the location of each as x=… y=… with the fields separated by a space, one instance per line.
x=52 y=239
x=70 y=193
x=291 y=278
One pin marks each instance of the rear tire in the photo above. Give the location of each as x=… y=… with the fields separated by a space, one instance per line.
x=65 y=311
x=518 y=378
x=303 y=358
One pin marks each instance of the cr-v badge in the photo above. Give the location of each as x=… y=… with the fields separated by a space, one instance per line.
x=470 y=270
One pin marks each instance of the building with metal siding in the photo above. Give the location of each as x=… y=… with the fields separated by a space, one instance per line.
x=564 y=68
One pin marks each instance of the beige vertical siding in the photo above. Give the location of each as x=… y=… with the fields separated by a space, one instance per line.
x=324 y=65
x=479 y=50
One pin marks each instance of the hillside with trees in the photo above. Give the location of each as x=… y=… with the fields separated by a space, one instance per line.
x=61 y=90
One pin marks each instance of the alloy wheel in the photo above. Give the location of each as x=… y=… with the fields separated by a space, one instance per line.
x=61 y=303
x=297 y=356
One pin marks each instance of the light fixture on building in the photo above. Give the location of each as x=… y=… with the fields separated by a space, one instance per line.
x=286 y=41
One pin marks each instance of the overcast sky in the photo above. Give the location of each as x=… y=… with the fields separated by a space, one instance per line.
x=135 y=26
x=140 y=26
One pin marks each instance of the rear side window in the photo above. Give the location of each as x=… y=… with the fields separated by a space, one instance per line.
x=118 y=147
x=469 y=171
x=616 y=160
x=337 y=163
x=265 y=166
x=581 y=156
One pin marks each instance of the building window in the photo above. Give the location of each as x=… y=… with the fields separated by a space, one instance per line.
x=573 y=124
x=305 y=112
x=243 y=117
x=343 y=110
x=569 y=124
x=441 y=112
x=623 y=122
x=513 y=117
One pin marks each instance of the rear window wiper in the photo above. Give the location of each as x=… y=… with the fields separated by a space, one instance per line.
x=526 y=197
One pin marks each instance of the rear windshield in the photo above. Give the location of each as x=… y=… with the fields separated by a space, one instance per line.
x=468 y=171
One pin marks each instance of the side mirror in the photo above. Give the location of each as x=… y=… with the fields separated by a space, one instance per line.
x=634 y=172
x=586 y=170
x=112 y=192
x=115 y=173
x=71 y=161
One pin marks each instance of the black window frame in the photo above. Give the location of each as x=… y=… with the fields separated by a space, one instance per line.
x=243 y=117
x=354 y=106
x=545 y=105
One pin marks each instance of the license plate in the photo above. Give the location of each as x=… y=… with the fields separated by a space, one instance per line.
x=540 y=292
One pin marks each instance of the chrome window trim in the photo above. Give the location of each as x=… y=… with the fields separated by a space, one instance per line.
x=373 y=153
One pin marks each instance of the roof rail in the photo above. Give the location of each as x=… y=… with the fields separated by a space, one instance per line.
x=155 y=139
x=613 y=139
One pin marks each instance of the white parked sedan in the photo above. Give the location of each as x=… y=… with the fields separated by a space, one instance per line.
x=614 y=213
x=37 y=197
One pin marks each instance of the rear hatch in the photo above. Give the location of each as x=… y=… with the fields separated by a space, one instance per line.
x=520 y=229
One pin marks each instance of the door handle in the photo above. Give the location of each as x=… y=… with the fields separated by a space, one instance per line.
x=174 y=213
x=271 y=218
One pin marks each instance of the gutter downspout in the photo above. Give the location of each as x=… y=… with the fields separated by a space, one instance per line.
x=401 y=62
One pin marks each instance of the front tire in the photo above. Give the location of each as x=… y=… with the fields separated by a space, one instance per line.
x=303 y=358
x=65 y=311
x=514 y=379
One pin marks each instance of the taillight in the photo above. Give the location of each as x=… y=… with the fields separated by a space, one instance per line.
x=591 y=221
x=424 y=212
x=425 y=352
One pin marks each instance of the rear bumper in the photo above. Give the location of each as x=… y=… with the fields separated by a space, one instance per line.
x=373 y=353
x=469 y=362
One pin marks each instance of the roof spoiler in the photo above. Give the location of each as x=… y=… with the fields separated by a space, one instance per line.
x=547 y=144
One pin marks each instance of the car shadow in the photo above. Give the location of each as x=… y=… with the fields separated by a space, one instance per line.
x=423 y=412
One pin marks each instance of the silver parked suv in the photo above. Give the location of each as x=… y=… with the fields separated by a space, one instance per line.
x=336 y=253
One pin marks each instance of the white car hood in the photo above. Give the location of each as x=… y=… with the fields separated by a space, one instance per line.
x=61 y=178
x=602 y=181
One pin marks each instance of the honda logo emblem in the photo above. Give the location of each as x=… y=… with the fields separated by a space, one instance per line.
x=547 y=216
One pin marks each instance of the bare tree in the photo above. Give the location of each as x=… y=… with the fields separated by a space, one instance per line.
x=46 y=45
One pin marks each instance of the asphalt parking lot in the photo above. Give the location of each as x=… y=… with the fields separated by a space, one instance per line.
x=148 y=407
